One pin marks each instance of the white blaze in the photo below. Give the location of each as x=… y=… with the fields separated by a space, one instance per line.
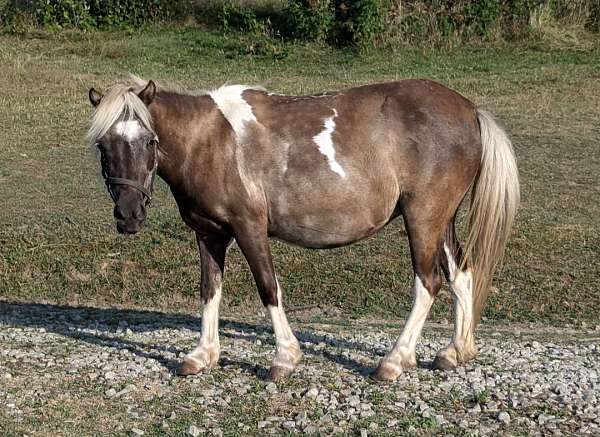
x=232 y=105
x=129 y=130
x=325 y=144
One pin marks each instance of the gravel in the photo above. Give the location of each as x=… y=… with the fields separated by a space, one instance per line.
x=543 y=381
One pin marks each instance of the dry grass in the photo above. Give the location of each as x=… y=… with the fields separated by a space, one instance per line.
x=57 y=239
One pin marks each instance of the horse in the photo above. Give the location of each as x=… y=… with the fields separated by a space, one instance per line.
x=317 y=171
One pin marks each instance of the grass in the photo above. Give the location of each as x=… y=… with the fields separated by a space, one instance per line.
x=57 y=238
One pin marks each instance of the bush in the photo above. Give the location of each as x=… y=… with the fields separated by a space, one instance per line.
x=414 y=20
x=85 y=14
x=340 y=22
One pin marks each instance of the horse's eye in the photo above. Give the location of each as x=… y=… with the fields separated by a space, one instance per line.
x=100 y=147
x=153 y=142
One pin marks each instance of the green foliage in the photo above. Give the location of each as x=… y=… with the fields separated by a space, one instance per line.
x=111 y=13
x=239 y=17
x=86 y=14
x=311 y=19
x=257 y=35
x=337 y=21
x=60 y=13
x=482 y=15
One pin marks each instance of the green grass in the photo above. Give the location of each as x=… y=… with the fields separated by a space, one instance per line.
x=57 y=237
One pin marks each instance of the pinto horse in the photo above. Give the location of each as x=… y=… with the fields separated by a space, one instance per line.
x=318 y=171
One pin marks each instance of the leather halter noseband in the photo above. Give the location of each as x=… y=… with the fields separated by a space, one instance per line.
x=129 y=182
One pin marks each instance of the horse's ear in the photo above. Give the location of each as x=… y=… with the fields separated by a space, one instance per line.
x=95 y=97
x=148 y=93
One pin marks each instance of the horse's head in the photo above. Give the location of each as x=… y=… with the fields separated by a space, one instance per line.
x=122 y=131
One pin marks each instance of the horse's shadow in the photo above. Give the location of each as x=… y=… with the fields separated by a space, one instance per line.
x=77 y=322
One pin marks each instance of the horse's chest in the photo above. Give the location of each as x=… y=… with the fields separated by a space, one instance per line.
x=197 y=219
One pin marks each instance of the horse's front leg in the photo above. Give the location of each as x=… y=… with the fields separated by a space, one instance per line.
x=252 y=240
x=212 y=256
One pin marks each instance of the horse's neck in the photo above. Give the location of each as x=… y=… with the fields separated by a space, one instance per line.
x=176 y=118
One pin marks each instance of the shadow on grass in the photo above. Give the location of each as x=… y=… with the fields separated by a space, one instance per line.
x=73 y=322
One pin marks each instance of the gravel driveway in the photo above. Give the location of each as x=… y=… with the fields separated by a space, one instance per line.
x=82 y=371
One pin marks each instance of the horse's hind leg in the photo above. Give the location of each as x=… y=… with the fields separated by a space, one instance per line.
x=425 y=231
x=462 y=347
x=212 y=255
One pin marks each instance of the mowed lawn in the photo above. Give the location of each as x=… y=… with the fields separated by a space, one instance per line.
x=57 y=238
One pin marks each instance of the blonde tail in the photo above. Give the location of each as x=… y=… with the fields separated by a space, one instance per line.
x=494 y=202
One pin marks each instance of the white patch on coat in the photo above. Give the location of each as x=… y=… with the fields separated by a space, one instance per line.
x=130 y=130
x=287 y=346
x=208 y=346
x=325 y=143
x=404 y=349
x=461 y=283
x=234 y=108
x=462 y=286
x=286 y=152
x=451 y=263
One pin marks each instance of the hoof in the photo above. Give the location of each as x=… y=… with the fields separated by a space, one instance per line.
x=442 y=363
x=191 y=367
x=278 y=372
x=386 y=372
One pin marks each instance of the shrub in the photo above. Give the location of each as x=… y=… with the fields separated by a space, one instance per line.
x=341 y=22
x=86 y=14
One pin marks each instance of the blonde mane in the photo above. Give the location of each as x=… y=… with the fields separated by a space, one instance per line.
x=119 y=101
x=122 y=100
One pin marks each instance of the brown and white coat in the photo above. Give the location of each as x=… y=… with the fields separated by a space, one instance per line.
x=320 y=172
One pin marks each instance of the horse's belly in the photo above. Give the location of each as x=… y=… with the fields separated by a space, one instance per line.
x=321 y=237
x=327 y=227
x=326 y=210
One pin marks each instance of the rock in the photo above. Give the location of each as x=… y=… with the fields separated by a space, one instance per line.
x=560 y=389
x=353 y=401
x=193 y=431
x=288 y=424
x=544 y=418
x=476 y=409
x=310 y=429
x=363 y=433
x=136 y=431
x=301 y=416
x=504 y=417
x=263 y=424
x=311 y=393
x=271 y=387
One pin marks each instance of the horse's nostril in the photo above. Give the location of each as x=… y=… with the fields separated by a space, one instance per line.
x=139 y=212
x=118 y=214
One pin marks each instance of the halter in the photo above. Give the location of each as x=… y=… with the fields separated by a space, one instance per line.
x=111 y=181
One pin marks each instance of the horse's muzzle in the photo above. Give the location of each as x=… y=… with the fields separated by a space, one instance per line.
x=129 y=227
x=129 y=217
